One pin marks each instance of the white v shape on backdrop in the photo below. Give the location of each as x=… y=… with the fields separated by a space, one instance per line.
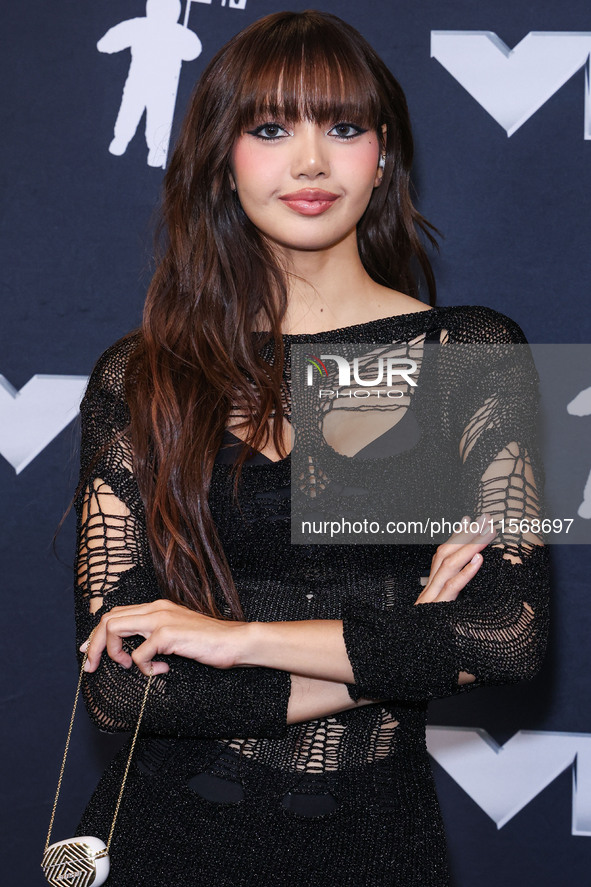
x=512 y=84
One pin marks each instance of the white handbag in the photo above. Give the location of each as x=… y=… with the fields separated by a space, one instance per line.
x=82 y=861
x=76 y=861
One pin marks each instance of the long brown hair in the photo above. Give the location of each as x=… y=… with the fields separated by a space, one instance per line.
x=197 y=358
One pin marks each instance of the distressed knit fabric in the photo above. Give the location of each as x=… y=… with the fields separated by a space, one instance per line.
x=221 y=790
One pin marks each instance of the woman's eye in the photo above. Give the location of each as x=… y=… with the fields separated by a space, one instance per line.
x=347 y=130
x=268 y=131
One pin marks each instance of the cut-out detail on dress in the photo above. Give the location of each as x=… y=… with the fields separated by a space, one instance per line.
x=216 y=788
x=400 y=437
x=104 y=517
x=324 y=745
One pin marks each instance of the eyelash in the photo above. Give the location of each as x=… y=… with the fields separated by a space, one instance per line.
x=257 y=132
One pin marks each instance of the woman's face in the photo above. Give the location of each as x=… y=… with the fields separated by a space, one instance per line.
x=305 y=186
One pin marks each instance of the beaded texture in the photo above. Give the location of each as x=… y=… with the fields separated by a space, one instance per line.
x=221 y=789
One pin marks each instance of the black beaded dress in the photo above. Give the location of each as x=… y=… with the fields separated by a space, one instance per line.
x=221 y=790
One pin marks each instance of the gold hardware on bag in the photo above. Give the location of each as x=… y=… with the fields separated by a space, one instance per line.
x=82 y=861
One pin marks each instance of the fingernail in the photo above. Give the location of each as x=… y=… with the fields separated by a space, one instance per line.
x=87 y=665
x=83 y=647
x=475 y=559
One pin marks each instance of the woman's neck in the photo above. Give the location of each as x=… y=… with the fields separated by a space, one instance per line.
x=328 y=289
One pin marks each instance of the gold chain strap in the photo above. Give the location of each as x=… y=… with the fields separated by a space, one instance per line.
x=133 y=741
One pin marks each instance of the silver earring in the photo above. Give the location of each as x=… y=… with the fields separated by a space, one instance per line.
x=382 y=162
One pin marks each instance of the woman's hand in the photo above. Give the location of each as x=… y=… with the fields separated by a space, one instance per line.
x=168 y=628
x=456 y=561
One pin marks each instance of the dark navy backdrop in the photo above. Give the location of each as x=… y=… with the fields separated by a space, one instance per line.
x=76 y=241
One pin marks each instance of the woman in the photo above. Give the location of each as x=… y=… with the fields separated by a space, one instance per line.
x=283 y=741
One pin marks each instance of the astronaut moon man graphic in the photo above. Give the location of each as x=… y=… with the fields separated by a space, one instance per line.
x=581 y=406
x=159 y=46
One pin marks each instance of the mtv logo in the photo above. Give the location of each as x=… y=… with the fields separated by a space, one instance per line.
x=512 y=84
x=32 y=417
x=503 y=779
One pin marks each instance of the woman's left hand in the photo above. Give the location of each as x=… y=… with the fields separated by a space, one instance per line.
x=168 y=628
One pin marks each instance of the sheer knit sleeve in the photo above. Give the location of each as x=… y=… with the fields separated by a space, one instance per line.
x=496 y=630
x=113 y=567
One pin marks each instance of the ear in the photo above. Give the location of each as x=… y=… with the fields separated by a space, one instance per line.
x=382 y=160
x=232 y=181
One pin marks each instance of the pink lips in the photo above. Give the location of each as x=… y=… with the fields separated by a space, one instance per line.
x=310 y=201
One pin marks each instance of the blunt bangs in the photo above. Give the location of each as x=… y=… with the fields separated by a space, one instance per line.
x=312 y=74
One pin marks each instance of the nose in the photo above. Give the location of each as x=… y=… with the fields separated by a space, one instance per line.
x=310 y=152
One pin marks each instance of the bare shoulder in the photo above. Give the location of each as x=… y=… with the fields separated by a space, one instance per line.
x=392 y=302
